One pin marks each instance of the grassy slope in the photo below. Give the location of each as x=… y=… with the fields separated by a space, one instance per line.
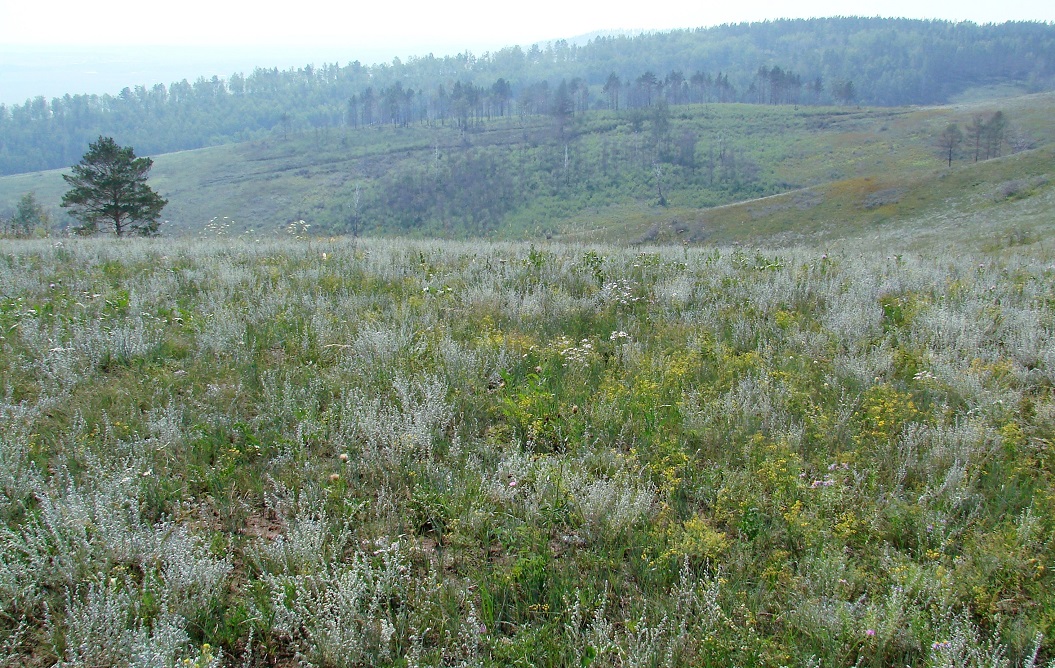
x=829 y=161
x=880 y=157
x=1009 y=197
x=257 y=183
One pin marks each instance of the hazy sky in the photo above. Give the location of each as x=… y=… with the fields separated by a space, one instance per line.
x=83 y=46
x=461 y=24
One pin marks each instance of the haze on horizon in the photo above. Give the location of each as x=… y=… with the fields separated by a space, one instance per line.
x=68 y=46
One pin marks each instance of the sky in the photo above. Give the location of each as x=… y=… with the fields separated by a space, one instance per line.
x=408 y=22
x=51 y=48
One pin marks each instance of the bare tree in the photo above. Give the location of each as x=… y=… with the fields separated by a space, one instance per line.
x=611 y=89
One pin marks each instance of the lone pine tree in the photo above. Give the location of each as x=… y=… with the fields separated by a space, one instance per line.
x=109 y=188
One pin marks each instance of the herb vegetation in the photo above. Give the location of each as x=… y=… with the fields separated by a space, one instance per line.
x=352 y=453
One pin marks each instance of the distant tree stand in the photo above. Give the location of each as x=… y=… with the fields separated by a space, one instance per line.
x=29 y=217
x=951 y=137
x=109 y=188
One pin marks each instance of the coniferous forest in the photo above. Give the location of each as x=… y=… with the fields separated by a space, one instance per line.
x=868 y=61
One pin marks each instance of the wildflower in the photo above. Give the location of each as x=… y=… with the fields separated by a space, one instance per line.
x=512 y=483
x=870 y=632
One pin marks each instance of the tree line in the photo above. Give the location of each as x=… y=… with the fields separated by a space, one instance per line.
x=981 y=139
x=467 y=104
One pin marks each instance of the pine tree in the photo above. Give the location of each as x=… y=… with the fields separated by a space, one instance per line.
x=109 y=187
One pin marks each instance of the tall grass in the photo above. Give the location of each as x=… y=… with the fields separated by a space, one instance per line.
x=350 y=453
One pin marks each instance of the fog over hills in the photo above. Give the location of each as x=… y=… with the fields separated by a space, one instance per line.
x=53 y=71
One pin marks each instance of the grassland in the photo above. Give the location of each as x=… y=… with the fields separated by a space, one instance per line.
x=831 y=448
x=357 y=453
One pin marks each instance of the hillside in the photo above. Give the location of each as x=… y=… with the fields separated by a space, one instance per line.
x=678 y=383
x=844 y=60
x=806 y=173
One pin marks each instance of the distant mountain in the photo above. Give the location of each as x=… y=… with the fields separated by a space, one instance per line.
x=847 y=61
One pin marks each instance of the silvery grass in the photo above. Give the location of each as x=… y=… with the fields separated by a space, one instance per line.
x=317 y=433
x=88 y=540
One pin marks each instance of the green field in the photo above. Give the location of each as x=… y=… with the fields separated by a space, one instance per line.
x=358 y=453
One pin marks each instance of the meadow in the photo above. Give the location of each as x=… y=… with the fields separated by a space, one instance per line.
x=339 y=452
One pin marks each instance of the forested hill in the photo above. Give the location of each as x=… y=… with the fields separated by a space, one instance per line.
x=869 y=61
